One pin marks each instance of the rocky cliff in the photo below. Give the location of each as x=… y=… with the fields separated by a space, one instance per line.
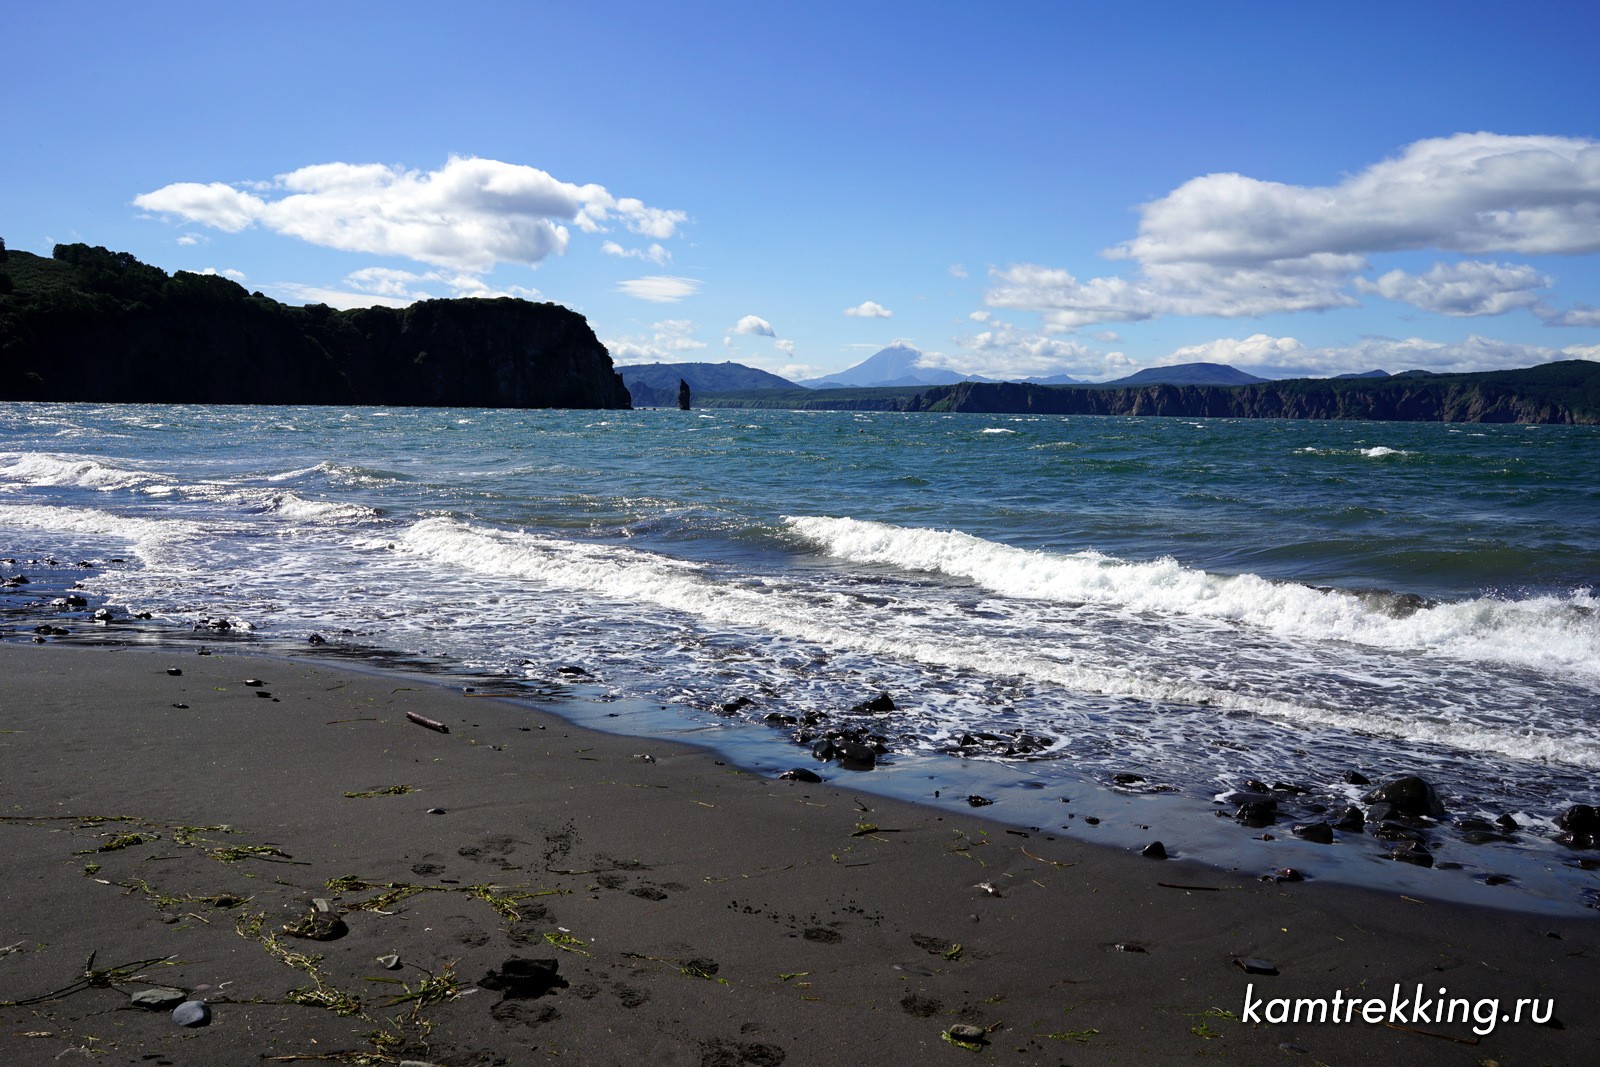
x=93 y=325
x=1565 y=392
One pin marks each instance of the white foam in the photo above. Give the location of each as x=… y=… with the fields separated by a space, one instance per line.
x=298 y=508
x=840 y=623
x=149 y=538
x=65 y=470
x=998 y=429
x=1554 y=635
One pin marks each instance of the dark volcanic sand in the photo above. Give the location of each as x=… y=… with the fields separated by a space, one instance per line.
x=698 y=914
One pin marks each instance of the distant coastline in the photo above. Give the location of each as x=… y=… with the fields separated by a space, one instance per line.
x=1555 y=393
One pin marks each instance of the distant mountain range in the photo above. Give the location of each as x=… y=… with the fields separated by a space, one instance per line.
x=655 y=385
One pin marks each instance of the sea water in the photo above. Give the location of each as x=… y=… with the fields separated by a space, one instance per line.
x=1051 y=602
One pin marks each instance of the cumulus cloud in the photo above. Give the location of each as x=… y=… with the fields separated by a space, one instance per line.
x=468 y=215
x=1577 y=315
x=655 y=253
x=957 y=270
x=869 y=309
x=785 y=346
x=1472 y=287
x=1231 y=245
x=659 y=288
x=1005 y=351
x=669 y=341
x=756 y=326
x=388 y=287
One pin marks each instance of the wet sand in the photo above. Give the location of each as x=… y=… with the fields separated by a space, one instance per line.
x=696 y=913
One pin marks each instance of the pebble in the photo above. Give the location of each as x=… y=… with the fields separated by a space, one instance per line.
x=175 y=671
x=159 y=998
x=435 y=811
x=1155 y=850
x=192 y=1013
x=391 y=962
x=1256 y=966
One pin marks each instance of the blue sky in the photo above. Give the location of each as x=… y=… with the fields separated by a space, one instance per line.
x=1015 y=189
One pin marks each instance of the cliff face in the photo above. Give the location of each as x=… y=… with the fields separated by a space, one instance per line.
x=92 y=325
x=1567 y=392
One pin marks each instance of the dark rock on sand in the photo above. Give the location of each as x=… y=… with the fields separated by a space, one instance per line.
x=1580 y=826
x=824 y=749
x=159 y=998
x=979 y=802
x=1351 y=820
x=1251 y=965
x=524 y=979
x=1155 y=850
x=1410 y=795
x=800 y=774
x=192 y=1013
x=1357 y=778
x=1258 y=812
x=1318 y=832
x=878 y=704
x=1414 y=852
x=856 y=757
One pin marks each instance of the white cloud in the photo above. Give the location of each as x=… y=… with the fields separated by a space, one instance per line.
x=669 y=341
x=957 y=270
x=786 y=347
x=1231 y=245
x=659 y=288
x=756 y=326
x=1257 y=350
x=1578 y=315
x=468 y=215
x=236 y=275
x=869 y=309
x=388 y=287
x=1004 y=351
x=190 y=239
x=654 y=254
x=1472 y=287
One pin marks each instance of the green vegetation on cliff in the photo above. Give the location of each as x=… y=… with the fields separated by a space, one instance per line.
x=93 y=325
x=1565 y=392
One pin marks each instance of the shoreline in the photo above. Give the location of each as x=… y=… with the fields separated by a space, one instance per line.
x=698 y=913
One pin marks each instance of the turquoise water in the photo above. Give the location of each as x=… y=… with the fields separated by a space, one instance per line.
x=1197 y=602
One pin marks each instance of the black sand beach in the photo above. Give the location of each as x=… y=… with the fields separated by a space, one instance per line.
x=179 y=830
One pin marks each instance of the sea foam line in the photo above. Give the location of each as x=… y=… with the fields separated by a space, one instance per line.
x=831 y=620
x=1559 y=636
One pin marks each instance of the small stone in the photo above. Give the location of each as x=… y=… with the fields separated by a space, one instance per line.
x=159 y=998
x=262 y=693
x=1127 y=778
x=254 y=683
x=800 y=774
x=391 y=962
x=1410 y=795
x=192 y=1013
x=175 y=671
x=1251 y=965
x=966 y=1032
x=1318 y=833
x=435 y=811
x=978 y=802
x=879 y=704
x=316 y=639
x=1155 y=850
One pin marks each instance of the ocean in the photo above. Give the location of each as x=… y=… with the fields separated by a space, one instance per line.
x=1105 y=626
